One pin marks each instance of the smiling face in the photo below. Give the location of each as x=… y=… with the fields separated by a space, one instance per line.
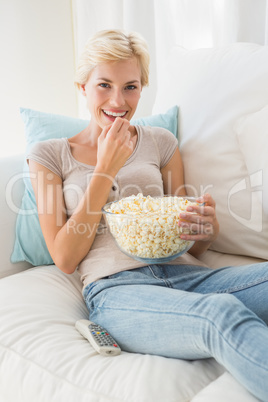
x=113 y=89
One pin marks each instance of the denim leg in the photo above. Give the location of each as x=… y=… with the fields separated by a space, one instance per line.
x=248 y=283
x=147 y=315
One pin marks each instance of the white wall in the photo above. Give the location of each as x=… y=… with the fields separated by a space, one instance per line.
x=90 y=16
x=37 y=64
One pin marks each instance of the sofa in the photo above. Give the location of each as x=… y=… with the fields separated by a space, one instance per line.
x=220 y=97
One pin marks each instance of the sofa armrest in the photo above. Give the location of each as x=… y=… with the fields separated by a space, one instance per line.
x=11 y=191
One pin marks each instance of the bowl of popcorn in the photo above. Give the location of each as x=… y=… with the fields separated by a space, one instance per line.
x=146 y=228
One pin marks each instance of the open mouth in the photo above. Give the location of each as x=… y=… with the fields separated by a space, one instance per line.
x=113 y=115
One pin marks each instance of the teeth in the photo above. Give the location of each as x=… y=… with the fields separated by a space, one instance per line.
x=114 y=114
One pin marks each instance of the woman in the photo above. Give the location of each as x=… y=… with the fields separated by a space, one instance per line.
x=184 y=309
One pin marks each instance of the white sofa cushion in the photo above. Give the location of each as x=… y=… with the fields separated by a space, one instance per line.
x=224 y=389
x=48 y=360
x=252 y=134
x=11 y=190
x=213 y=89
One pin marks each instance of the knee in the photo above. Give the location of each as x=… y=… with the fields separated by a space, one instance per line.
x=217 y=305
x=226 y=315
x=224 y=311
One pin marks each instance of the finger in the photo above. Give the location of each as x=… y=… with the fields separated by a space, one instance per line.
x=199 y=210
x=118 y=128
x=207 y=200
x=131 y=127
x=124 y=127
x=206 y=230
x=197 y=220
x=197 y=237
x=105 y=130
x=127 y=136
x=192 y=227
x=120 y=124
x=130 y=141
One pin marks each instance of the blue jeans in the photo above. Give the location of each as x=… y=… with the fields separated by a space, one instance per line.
x=190 y=312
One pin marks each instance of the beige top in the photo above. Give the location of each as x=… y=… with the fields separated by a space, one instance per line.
x=140 y=174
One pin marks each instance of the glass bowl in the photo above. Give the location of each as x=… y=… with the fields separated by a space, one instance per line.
x=146 y=228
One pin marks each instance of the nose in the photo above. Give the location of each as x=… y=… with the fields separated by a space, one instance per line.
x=117 y=98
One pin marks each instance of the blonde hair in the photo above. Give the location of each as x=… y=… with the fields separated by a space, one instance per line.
x=112 y=45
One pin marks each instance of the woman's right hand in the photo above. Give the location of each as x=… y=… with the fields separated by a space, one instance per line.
x=115 y=145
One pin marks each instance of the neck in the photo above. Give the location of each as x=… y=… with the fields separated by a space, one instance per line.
x=91 y=134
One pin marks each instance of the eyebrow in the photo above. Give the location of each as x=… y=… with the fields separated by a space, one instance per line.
x=107 y=80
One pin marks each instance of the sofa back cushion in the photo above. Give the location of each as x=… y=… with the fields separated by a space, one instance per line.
x=214 y=88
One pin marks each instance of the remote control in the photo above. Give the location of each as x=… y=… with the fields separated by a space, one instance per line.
x=98 y=337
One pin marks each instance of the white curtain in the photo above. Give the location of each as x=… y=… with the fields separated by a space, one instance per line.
x=164 y=23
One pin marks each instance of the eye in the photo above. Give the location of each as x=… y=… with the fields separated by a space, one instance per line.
x=131 y=87
x=104 y=85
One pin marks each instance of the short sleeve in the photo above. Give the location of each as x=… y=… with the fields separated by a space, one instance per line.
x=48 y=154
x=166 y=143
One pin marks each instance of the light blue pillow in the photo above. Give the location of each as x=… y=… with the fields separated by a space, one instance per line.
x=29 y=241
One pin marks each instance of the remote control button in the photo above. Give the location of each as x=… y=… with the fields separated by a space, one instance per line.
x=115 y=345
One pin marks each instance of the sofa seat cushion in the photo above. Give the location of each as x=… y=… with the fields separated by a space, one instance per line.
x=224 y=389
x=44 y=358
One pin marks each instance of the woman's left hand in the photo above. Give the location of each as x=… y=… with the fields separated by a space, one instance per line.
x=201 y=221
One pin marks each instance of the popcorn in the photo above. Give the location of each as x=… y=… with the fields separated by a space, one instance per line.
x=147 y=227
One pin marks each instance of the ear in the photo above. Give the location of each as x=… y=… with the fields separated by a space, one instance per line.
x=83 y=89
